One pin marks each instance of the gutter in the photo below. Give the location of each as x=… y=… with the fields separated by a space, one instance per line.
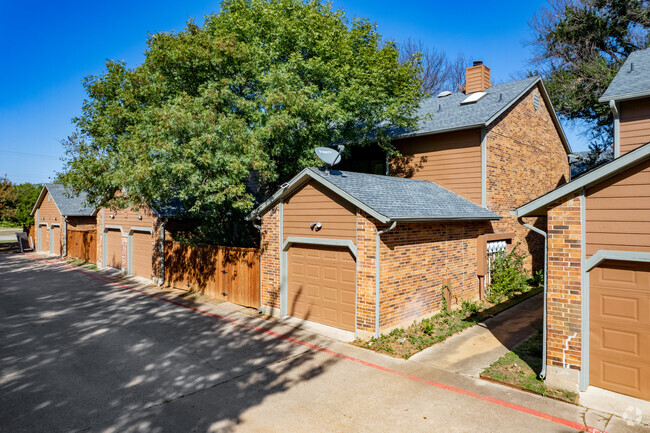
x=542 y=374
x=378 y=273
x=64 y=253
x=259 y=227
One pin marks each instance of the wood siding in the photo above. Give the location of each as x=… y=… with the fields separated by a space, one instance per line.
x=635 y=124
x=127 y=218
x=229 y=274
x=618 y=212
x=44 y=239
x=82 y=245
x=48 y=211
x=477 y=79
x=452 y=160
x=315 y=203
x=114 y=249
x=55 y=239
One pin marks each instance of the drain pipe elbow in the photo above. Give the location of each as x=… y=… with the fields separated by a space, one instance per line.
x=542 y=374
x=378 y=273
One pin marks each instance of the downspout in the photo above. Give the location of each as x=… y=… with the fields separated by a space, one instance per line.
x=161 y=280
x=259 y=227
x=377 y=276
x=542 y=374
x=65 y=236
x=617 y=128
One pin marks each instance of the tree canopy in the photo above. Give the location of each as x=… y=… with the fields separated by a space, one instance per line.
x=581 y=44
x=16 y=202
x=219 y=115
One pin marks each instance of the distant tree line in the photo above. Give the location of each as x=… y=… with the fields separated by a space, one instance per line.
x=16 y=203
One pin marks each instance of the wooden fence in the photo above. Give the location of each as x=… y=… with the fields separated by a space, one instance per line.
x=227 y=273
x=82 y=245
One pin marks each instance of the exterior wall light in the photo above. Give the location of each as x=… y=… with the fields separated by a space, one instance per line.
x=139 y=217
x=315 y=226
x=111 y=216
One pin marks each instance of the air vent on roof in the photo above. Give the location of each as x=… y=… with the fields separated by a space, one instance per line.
x=443 y=94
x=473 y=98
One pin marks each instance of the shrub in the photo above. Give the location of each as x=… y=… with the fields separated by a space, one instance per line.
x=470 y=307
x=507 y=275
x=537 y=279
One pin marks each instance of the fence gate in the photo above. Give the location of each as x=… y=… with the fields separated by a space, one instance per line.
x=493 y=249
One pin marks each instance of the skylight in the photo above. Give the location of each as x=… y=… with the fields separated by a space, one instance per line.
x=443 y=94
x=473 y=98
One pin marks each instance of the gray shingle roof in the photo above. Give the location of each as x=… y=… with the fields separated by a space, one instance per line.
x=630 y=82
x=443 y=114
x=388 y=198
x=399 y=198
x=69 y=205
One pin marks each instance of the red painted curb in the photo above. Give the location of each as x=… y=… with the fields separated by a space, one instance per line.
x=533 y=412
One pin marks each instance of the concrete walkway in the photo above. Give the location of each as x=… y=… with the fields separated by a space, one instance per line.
x=475 y=348
x=81 y=351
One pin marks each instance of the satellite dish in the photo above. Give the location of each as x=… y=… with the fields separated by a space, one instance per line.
x=329 y=156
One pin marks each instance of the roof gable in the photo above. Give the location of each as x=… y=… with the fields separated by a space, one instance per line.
x=67 y=203
x=387 y=198
x=538 y=206
x=448 y=113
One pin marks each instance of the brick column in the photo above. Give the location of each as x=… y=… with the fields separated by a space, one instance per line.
x=270 y=260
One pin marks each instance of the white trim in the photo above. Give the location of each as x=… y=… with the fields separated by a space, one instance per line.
x=140 y=229
x=625 y=96
x=627 y=256
x=598 y=175
x=320 y=241
x=284 y=269
x=617 y=128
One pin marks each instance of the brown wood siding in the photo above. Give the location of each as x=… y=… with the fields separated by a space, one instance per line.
x=619 y=328
x=226 y=273
x=452 y=160
x=127 y=218
x=114 y=249
x=82 y=245
x=82 y=223
x=55 y=235
x=47 y=211
x=142 y=251
x=635 y=124
x=315 y=203
x=618 y=212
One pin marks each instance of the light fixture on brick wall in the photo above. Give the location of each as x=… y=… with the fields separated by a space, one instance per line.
x=111 y=216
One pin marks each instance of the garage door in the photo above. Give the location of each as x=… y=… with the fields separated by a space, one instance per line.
x=55 y=236
x=142 y=250
x=43 y=238
x=114 y=249
x=619 y=338
x=321 y=285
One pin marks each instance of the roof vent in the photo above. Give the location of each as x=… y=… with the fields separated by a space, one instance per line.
x=443 y=94
x=631 y=66
x=473 y=98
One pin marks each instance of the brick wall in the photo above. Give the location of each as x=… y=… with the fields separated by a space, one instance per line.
x=525 y=159
x=270 y=258
x=564 y=283
x=366 y=273
x=417 y=259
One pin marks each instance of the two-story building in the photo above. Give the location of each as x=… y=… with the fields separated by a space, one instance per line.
x=366 y=252
x=598 y=294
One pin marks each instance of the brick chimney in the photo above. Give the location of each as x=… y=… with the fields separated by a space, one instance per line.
x=477 y=78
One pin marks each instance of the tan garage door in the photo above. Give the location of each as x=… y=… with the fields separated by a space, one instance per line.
x=142 y=250
x=114 y=249
x=322 y=285
x=44 y=238
x=55 y=236
x=619 y=338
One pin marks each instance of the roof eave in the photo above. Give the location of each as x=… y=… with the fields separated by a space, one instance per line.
x=446 y=218
x=630 y=159
x=304 y=176
x=624 y=96
x=439 y=131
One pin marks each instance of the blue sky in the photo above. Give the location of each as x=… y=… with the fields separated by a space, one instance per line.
x=49 y=47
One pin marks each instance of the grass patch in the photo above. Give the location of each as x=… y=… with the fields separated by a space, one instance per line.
x=521 y=367
x=404 y=343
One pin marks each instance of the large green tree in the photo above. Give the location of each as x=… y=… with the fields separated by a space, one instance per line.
x=219 y=115
x=580 y=46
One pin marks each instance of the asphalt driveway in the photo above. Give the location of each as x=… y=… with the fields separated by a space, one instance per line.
x=79 y=353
